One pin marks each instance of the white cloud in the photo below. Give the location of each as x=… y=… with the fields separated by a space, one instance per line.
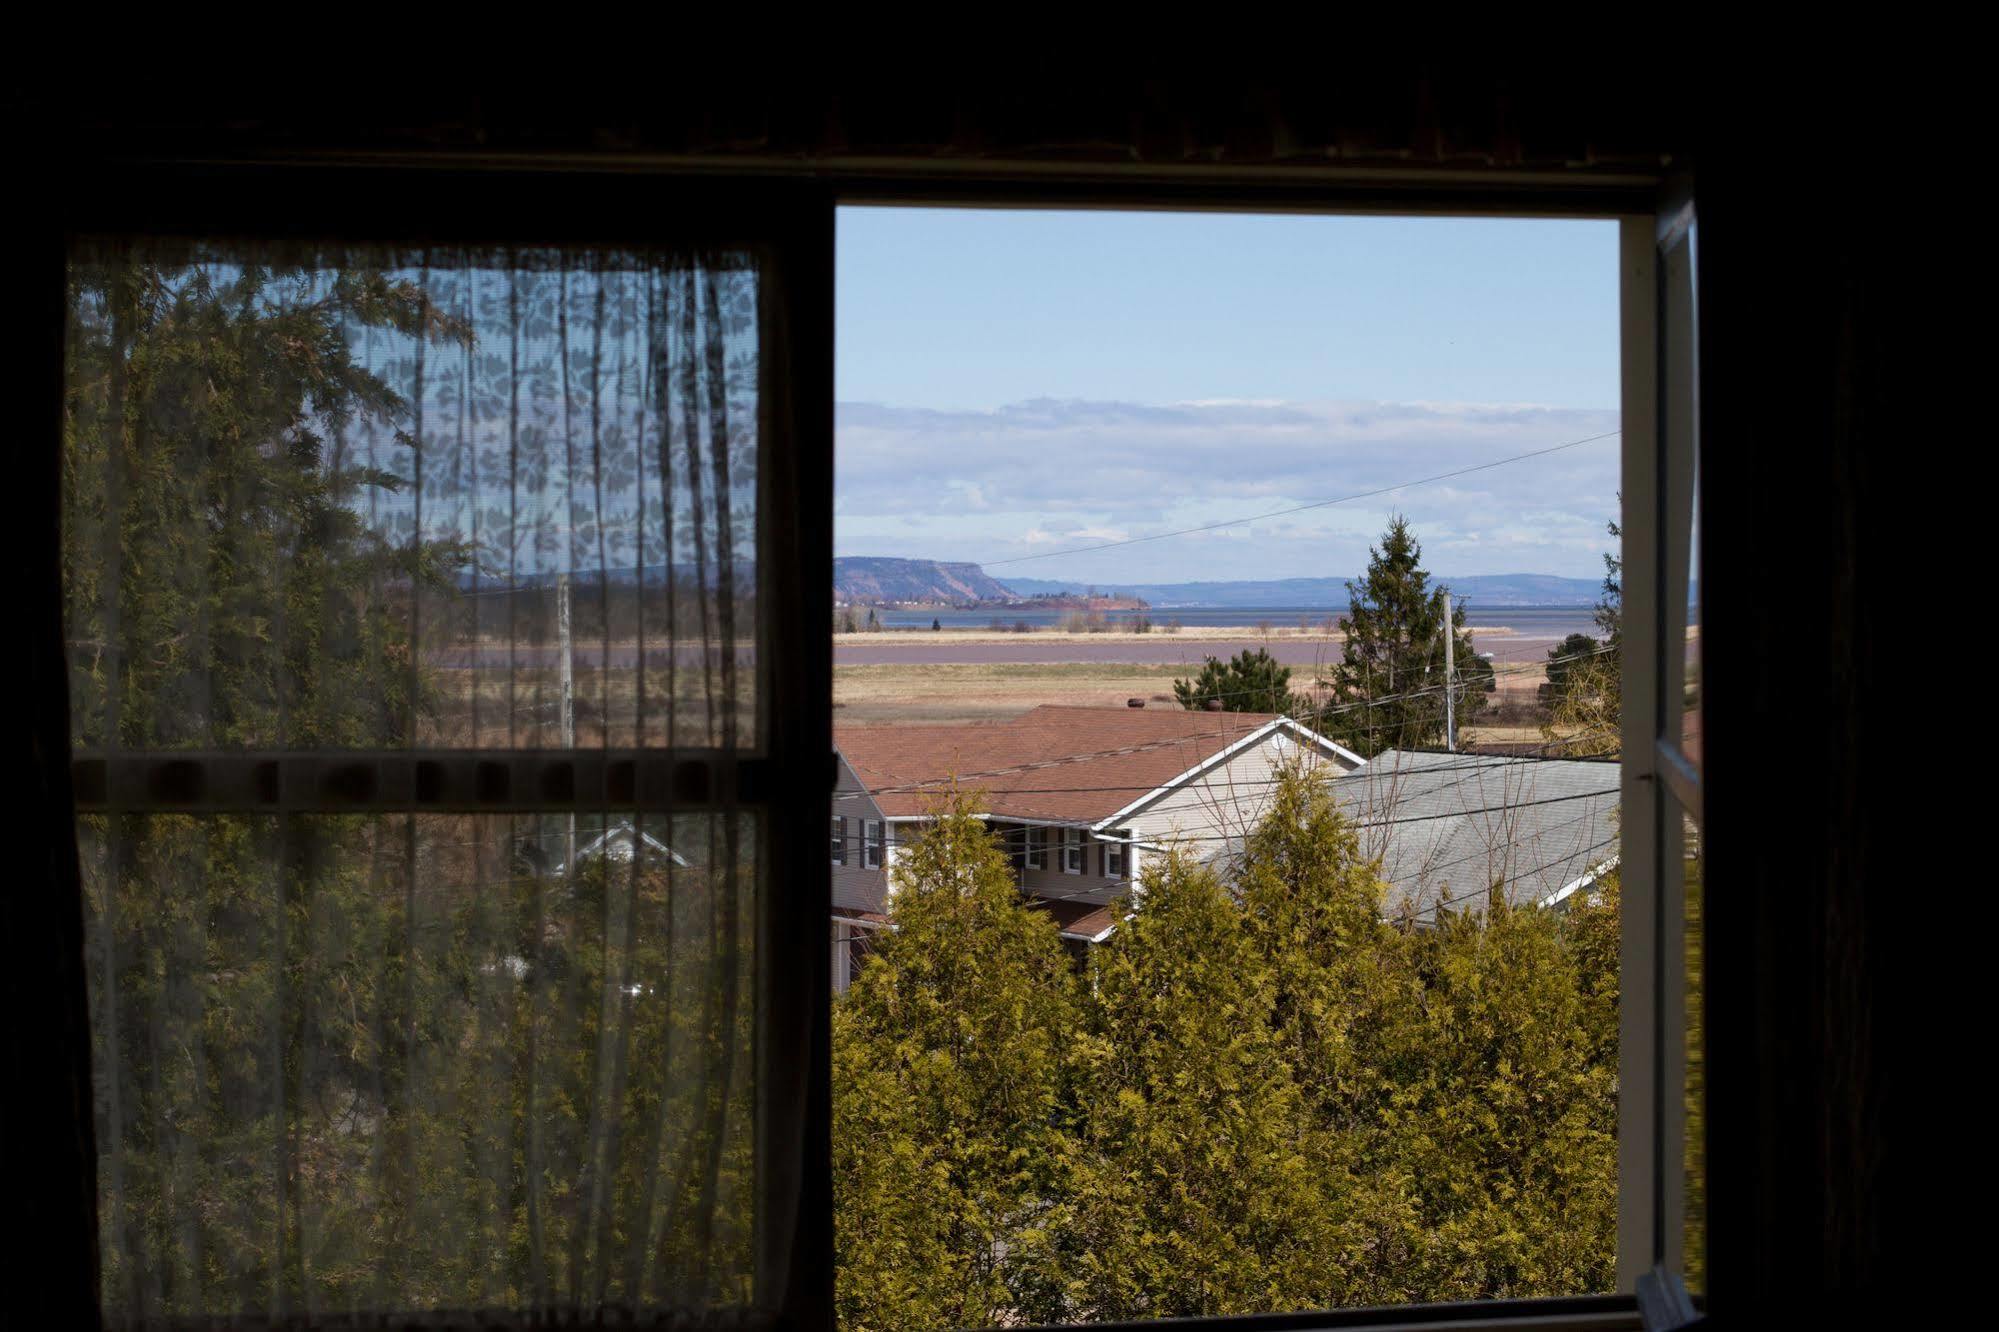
x=1048 y=474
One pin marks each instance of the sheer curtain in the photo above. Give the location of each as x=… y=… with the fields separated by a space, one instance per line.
x=371 y=1058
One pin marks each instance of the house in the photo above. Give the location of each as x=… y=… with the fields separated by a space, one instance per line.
x=1447 y=827
x=1080 y=795
x=859 y=841
x=617 y=843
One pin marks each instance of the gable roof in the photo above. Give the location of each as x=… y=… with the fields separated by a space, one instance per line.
x=1056 y=763
x=1447 y=826
x=615 y=843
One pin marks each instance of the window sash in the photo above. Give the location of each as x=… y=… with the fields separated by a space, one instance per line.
x=839 y=840
x=1660 y=443
x=790 y=226
x=1115 y=852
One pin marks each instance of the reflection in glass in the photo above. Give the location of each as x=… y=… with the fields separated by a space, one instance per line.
x=1694 y=1222
x=320 y=499
x=352 y=1064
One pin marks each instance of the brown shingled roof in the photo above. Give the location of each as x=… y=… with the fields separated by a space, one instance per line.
x=1089 y=921
x=1067 y=764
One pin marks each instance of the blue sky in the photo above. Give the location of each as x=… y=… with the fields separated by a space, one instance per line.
x=1015 y=382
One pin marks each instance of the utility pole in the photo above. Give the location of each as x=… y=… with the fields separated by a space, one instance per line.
x=1450 y=670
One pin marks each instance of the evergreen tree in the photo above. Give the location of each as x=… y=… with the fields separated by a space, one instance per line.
x=1610 y=602
x=1345 y=1010
x=1510 y=1132
x=948 y=1056
x=1585 y=692
x=1388 y=687
x=1568 y=661
x=1194 y=1185
x=1251 y=681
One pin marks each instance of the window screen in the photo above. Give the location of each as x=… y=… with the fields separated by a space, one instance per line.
x=412 y=615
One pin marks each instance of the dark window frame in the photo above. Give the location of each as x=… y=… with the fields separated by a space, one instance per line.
x=789 y=225
x=345 y=202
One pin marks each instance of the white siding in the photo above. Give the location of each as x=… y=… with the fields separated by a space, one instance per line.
x=1215 y=809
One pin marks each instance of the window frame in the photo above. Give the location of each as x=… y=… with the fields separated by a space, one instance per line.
x=874 y=844
x=839 y=831
x=1037 y=847
x=458 y=202
x=790 y=226
x=1074 y=852
x=1661 y=445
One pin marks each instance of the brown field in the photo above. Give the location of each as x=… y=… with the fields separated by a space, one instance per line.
x=992 y=691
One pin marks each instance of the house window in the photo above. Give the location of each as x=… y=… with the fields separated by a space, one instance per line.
x=839 y=840
x=1114 y=854
x=871 y=850
x=1037 y=847
x=1073 y=851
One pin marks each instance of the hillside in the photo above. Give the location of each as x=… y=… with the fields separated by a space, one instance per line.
x=871 y=578
x=1486 y=590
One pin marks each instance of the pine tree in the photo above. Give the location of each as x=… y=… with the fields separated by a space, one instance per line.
x=1251 y=681
x=948 y=1058
x=1194 y=1184
x=1388 y=687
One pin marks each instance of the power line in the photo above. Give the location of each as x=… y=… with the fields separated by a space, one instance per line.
x=1301 y=508
x=1169 y=742
x=1007 y=836
x=1492 y=763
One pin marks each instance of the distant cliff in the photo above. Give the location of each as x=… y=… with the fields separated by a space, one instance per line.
x=877 y=579
x=1484 y=591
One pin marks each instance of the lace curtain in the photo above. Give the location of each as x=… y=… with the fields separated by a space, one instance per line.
x=365 y=1062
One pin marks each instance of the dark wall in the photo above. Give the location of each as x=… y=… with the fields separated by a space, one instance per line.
x=1803 y=283
x=1816 y=585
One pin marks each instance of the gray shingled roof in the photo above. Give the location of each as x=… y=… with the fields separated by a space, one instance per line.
x=1448 y=826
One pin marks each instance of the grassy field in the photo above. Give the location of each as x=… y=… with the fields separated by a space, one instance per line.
x=992 y=691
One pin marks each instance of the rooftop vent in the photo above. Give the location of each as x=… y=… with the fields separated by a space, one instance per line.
x=1134 y=702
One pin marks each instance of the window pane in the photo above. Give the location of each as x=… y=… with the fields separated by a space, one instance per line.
x=1690 y=712
x=325 y=499
x=1693 y=1236
x=353 y=1065
x=1346 y=1032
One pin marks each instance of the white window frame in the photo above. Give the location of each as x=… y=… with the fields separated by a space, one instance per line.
x=839 y=840
x=1657 y=256
x=1073 y=854
x=1037 y=847
x=872 y=844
